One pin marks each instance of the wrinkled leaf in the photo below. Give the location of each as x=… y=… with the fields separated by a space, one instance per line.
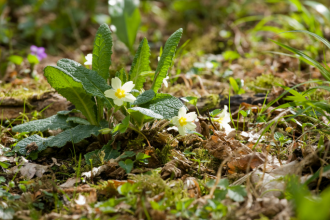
x=144 y=97
x=52 y=123
x=140 y=64
x=166 y=59
x=102 y=51
x=72 y=89
x=165 y=105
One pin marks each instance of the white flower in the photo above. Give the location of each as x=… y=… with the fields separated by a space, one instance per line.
x=224 y=119
x=120 y=94
x=165 y=81
x=184 y=121
x=89 y=59
x=81 y=200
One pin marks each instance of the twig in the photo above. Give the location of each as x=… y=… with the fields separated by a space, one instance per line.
x=218 y=178
x=138 y=131
x=208 y=114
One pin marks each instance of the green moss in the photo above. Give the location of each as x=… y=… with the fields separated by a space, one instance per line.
x=264 y=83
x=154 y=184
x=211 y=102
x=24 y=91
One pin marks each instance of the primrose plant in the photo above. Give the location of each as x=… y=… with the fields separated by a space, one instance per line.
x=124 y=100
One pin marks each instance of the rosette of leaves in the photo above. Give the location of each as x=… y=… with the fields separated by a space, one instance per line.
x=85 y=89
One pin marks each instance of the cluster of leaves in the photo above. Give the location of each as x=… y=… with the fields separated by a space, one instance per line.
x=85 y=89
x=174 y=201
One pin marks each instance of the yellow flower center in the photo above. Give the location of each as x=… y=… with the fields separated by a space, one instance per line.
x=183 y=121
x=219 y=120
x=120 y=93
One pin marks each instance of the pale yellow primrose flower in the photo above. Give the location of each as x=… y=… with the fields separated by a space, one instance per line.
x=224 y=119
x=120 y=94
x=165 y=81
x=89 y=59
x=184 y=121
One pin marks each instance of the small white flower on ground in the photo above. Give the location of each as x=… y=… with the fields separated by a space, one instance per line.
x=165 y=81
x=89 y=59
x=224 y=119
x=81 y=200
x=119 y=93
x=184 y=121
x=113 y=28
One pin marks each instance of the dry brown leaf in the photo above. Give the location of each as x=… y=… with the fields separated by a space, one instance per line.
x=176 y=168
x=246 y=162
x=29 y=170
x=70 y=182
x=192 y=187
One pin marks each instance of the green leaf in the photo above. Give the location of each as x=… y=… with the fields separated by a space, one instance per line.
x=320 y=8
x=127 y=165
x=15 y=59
x=243 y=113
x=93 y=83
x=127 y=154
x=146 y=112
x=278 y=135
x=73 y=135
x=190 y=99
x=105 y=131
x=102 y=51
x=231 y=55
x=125 y=15
x=141 y=156
x=165 y=105
x=52 y=123
x=77 y=120
x=144 y=97
x=122 y=127
x=40 y=142
x=321 y=39
x=166 y=59
x=234 y=84
x=33 y=59
x=220 y=194
x=4 y=165
x=109 y=153
x=325 y=73
x=72 y=89
x=237 y=193
x=122 y=75
x=215 y=112
x=66 y=113
x=140 y=64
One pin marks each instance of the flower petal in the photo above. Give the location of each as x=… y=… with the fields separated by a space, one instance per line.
x=128 y=86
x=182 y=112
x=89 y=59
x=191 y=116
x=34 y=48
x=191 y=126
x=110 y=93
x=175 y=121
x=115 y=83
x=165 y=81
x=226 y=119
x=182 y=130
x=226 y=127
x=118 y=102
x=129 y=97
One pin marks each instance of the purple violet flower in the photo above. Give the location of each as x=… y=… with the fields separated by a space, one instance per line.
x=38 y=51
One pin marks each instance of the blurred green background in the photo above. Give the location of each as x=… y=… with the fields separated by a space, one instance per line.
x=212 y=26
